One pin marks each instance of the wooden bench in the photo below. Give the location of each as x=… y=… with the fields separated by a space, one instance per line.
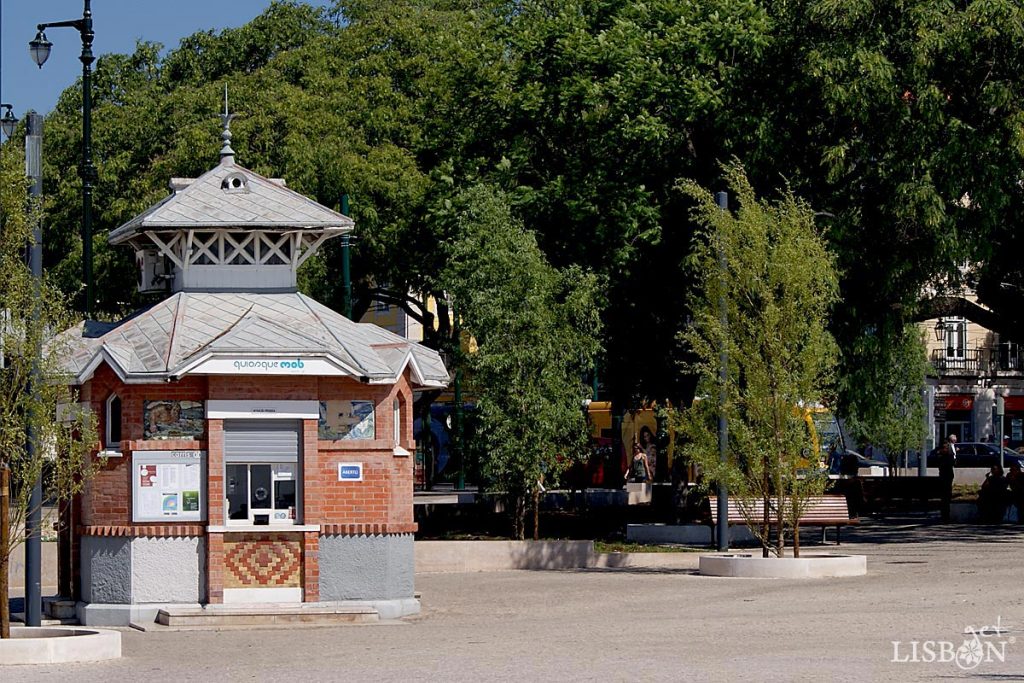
x=823 y=511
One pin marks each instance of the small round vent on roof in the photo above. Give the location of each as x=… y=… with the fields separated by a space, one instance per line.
x=236 y=182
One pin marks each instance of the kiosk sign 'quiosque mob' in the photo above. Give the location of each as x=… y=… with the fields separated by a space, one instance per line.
x=267 y=365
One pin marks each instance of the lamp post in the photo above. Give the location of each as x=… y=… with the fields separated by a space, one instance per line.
x=34 y=518
x=39 y=49
x=9 y=120
x=722 y=199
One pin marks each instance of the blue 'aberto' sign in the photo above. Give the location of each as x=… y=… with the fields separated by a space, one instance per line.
x=350 y=471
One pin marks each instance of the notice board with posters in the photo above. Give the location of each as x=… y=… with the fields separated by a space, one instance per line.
x=168 y=486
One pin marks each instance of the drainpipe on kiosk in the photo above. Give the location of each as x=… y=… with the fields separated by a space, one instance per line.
x=346 y=273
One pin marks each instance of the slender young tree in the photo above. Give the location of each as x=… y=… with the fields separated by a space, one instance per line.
x=536 y=331
x=769 y=266
x=886 y=406
x=29 y=312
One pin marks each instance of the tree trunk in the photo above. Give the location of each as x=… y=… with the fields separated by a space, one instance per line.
x=780 y=525
x=765 y=523
x=5 y=554
x=536 y=514
x=796 y=540
x=519 y=517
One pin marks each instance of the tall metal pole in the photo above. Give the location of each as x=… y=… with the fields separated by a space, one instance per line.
x=459 y=443
x=1000 y=412
x=5 y=544
x=40 y=52
x=346 y=272
x=33 y=522
x=87 y=171
x=723 y=376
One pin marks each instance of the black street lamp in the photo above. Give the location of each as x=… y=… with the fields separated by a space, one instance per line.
x=9 y=120
x=39 y=49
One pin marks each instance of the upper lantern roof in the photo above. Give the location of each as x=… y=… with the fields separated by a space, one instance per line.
x=232 y=197
x=229 y=229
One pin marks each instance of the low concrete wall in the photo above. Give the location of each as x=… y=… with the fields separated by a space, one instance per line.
x=16 y=570
x=378 y=567
x=482 y=556
x=58 y=645
x=964 y=513
x=964 y=475
x=805 y=567
x=645 y=561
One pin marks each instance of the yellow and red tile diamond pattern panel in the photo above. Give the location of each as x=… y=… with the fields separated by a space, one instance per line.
x=262 y=561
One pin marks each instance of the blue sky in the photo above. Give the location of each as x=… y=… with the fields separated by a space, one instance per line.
x=118 y=24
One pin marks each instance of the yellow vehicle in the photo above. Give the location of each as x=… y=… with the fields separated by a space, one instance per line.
x=826 y=431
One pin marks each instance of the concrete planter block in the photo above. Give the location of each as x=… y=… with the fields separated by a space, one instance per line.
x=638 y=493
x=808 y=567
x=965 y=513
x=59 y=645
x=482 y=556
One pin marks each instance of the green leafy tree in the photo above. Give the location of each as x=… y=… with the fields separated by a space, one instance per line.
x=886 y=405
x=777 y=285
x=536 y=328
x=31 y=383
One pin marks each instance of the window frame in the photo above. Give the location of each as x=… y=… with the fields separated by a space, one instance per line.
x=956 y=339
x=244 y=456
x=250 y=519
x=108 y=443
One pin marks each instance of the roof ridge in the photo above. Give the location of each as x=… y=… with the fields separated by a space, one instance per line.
x=254 y=315
x=179 y=312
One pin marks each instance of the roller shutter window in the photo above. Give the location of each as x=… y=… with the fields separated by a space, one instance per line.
x=261 y=462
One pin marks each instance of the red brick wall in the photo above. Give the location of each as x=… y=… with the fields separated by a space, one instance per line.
x=107 y=498
x=382 y=502
x=385 y=494
x=254 y=560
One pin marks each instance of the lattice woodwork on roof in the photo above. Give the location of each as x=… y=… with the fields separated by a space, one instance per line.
x=236 y=247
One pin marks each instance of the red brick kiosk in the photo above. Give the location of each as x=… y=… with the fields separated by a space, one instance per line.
x=255 y=445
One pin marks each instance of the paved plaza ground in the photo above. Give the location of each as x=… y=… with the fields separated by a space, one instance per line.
x=926 y=582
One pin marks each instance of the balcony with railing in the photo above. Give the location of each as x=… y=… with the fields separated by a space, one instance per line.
x=1005 y=359
x=963 y=362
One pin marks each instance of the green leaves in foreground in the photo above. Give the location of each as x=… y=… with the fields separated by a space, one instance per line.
x=31 y=384
x=536 y=328
x=768 y=269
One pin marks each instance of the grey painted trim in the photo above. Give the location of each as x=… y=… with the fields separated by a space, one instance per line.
x=240 y=290
x=379 y=567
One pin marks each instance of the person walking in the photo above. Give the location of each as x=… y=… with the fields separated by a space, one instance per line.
x=639 y=468
x=947 y=462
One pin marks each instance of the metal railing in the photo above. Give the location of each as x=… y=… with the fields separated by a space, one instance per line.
x=1002 y=359
x=963 y=362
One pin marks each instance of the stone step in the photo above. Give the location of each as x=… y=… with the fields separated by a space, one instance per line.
x=46 y=620
x=214 y=616
x=59 y=609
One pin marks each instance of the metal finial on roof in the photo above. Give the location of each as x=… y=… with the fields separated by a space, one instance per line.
x=227 y=155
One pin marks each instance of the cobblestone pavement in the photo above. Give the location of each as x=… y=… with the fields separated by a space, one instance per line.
x=926 y=583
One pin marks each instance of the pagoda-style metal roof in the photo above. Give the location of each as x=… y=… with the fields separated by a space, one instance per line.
x=232 y=197
x=191 y=332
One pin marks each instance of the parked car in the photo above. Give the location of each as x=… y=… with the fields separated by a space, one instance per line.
x=978 y=454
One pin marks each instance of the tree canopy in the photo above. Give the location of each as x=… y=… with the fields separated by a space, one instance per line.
x=900 y=123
